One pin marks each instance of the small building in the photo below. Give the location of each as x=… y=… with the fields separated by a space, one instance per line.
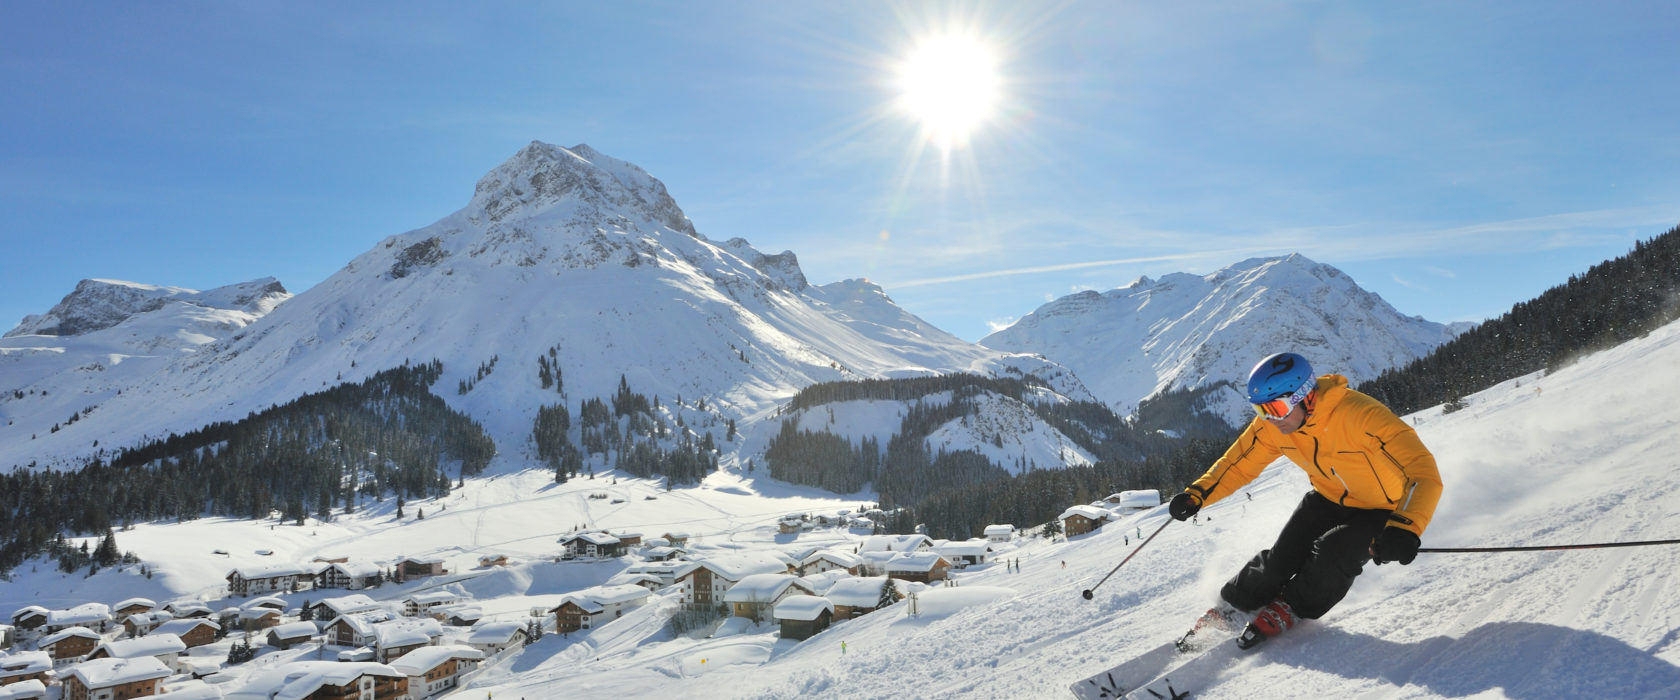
x=267 y=601
x=967 y=552
x=829 y=560
x=253 y=619
x=709 y=579
x=29 y=617
x=397 y=642
x=183 y=609
x=857 y=596
x=590 y=608
x=350 y=575
x=69 y=646
x=25 y=666
x=755 y=597
x=677 y=538
x=894 y=543
x=193 y=632
x=333 y=608
x=494 y=637
x=143 y=623
x=113 y=678
x=591 y=544
x=133 y=606
x=1129 y=502
x=274 y=578
x=410 y=568
x=627 y=540
x=486 y=561
x=325 y=680
x=462 y=615
x=24 y=690
x=1000 y=533
x=925 y=567
x=94 y=616
x=351 y=631
x=166 y=648
x=434 y=670
x=1079 y=520
x=291 y=634
x=801 y=616
x=424 y=604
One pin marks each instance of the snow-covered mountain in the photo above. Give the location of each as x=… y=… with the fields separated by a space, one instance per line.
x=561 y=253
x=1190 y=331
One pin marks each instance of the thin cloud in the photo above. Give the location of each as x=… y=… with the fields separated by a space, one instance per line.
x=1012 y=272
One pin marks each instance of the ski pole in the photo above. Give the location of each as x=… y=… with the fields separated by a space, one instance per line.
x=1087 y=592
x=1542 y=548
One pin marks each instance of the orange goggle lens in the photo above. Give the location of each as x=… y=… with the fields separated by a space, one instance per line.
x=1276 y=409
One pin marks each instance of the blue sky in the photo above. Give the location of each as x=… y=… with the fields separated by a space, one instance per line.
x=1454 y=157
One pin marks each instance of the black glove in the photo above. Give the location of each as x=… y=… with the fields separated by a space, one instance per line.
x=1184 y=505
x=1395 y=544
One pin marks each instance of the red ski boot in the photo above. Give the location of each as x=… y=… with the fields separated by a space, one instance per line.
x=1272 y=620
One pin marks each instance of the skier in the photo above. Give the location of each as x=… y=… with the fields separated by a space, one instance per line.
x=1375 y=487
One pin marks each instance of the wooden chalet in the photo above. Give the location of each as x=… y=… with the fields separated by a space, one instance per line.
x=21 y=666
x=436 y=670
x=857 y=596
x=1079 y=520
x=69 y=646
x=111 y=678
x=801 y=616
x=194 y=632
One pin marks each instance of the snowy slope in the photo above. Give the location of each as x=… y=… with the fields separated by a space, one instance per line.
x=1187 y=331
x=559 y=250
x=1581 y=455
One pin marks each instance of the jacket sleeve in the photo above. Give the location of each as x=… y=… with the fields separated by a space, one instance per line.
x=1243 y=461
x=1400 y=445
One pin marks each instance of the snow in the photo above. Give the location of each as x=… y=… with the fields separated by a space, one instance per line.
x=1582 y=454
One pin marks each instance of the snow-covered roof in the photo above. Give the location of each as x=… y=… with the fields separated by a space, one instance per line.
x=763 y=588
x=1143 y=498
x=181 y=627
x=844 y=559
x=403 y=638
x=965 y=548
x=915 y=562
x=182 y=607
x=495 y=632
x=267 y=601
x=1091 y=512
x=345 y=605
x=192 y=690
x=251 y=573
x=819 y=583
x=67 y=633
x=149 y=645
x=735 y=567
x=862 y=592
x=299 y=679
x=104 y=673
x=421 y=560
x=432 y=598
x=146 y=602
x=611 y=595
x=81 y=614
x=802 y=607
x=1000 y=529
x=294 y=630
x=25 y=662
x=29 y=610
x=424 y=659
x=628 y=579
x=596 y=538
x=150 y=618
x=23 y=690
x=356 y=569
x=894 y=543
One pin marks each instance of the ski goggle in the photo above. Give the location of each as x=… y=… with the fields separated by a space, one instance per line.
x=1279 y=408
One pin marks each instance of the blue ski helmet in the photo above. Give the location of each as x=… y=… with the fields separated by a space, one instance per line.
x=1278 y=375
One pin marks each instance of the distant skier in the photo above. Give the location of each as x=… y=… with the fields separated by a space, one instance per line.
x=1375 y=487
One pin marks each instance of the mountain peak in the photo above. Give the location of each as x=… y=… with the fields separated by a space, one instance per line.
x=97 y=304
x=542 y=177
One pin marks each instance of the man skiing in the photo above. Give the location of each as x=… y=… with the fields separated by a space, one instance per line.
x=1375 y=487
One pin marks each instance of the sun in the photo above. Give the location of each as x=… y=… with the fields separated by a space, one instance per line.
x=949 y=83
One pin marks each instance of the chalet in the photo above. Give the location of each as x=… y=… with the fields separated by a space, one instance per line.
x=183 y=609
x=397 y=642
x=663 y=553
x=166 y=648
x=69 y=646
x=925 y=567
x=856 y=596
x=291 y=634
x=966 y=553
x=461 y=615
x=494 y=637
x=790 y=525
x=333 y=608
x=486 y=561
x=25 y=666
x=133 y=606
x=331 y=558
x=627 y=540
x=351 y=631
x=253 y=619
x=113 y=678
x=591 y=544
x=267 y=601
x=593 y=607
x=801 y=616
x=24 y=690
x=894 y=543
x=665 y=571
x=648 y=581
x=194 y=632
x=708 y=579
x=1129 y=502
x=350 y=575
x=434 y=670
x=410 y=568
x=96 y=616
x=325 y=680
x=30 y=617
x=1079 y=520
x=143 y=623
x=828 y=560
x=677 y=538
x=274 y=578
x=754 y=597
x=875 y=563
x=425 y=604
x=1000 y=533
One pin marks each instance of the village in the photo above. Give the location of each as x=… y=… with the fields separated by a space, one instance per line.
x=328 y=629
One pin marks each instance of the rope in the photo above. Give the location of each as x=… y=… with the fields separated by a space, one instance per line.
x=1543 y=548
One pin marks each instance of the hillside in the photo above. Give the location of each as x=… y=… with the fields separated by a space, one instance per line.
x=1538 y=460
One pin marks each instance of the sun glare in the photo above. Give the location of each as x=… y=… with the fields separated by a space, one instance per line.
x=950 y=84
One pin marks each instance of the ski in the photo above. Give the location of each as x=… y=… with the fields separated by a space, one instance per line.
x=1139 y=672
x=1193 y=674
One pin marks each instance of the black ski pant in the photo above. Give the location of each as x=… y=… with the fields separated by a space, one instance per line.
x=1322 y=548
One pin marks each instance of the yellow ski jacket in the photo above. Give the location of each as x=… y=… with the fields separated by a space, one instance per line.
x=1355 y=451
